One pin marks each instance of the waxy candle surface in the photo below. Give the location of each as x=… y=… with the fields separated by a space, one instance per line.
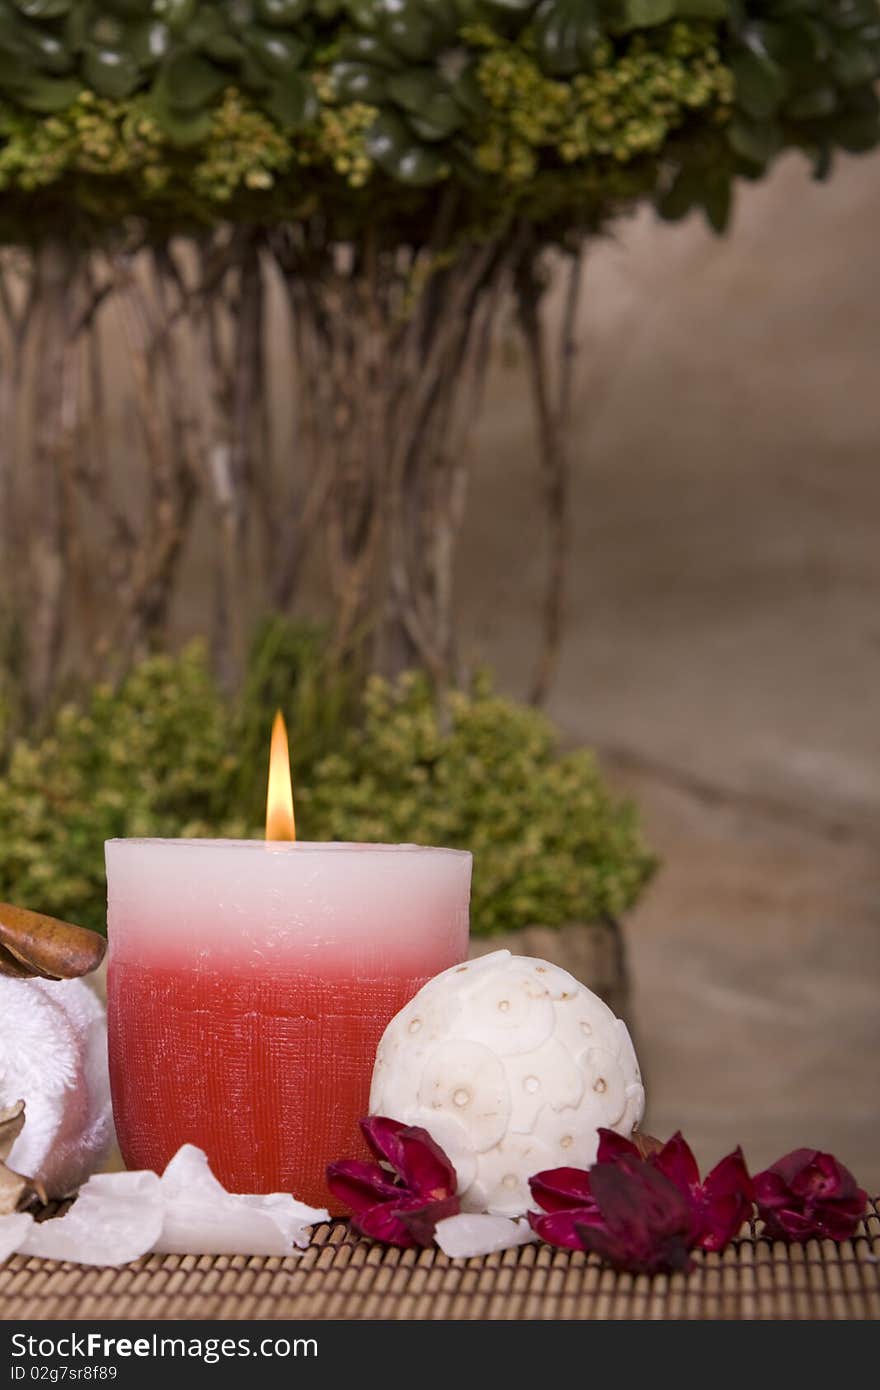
x=249 y=984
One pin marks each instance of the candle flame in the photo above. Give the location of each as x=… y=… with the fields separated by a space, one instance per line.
x=280 y=823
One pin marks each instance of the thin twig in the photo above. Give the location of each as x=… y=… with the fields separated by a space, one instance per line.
x=552 y=421
x=48 y=539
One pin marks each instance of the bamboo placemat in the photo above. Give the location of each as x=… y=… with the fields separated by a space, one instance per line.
x=341 y=1276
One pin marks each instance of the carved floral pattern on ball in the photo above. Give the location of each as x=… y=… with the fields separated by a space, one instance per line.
x=512 y=1066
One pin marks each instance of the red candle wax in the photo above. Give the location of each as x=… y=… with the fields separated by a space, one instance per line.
x=249 y=984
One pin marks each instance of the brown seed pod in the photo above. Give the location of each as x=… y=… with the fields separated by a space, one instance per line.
x=16 y=1191
x=32 y=945
x=11 y=1125
x=646 y=1144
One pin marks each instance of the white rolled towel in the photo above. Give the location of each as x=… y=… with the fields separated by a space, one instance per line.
x=53 y=1056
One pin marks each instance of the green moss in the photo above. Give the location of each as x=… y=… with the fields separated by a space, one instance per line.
x=152 y=759
x=550 y=843
x=167 y=755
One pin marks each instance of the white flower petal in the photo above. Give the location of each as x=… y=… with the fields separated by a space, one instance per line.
x=139 y=1185
x=120 y=1216
x=202 y=1218
x=14 y=1230
x=188 y=1173
x=116 y=1218
x=295 y=1219
x=469 y=1234
x=199 y=1227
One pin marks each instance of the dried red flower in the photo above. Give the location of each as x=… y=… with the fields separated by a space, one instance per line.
x=646 y=1222
x=400 y=1198
x=568 y=1204
x=807 y=1193
x=649 y=1218
x=719 y=1204
x=623 y=1209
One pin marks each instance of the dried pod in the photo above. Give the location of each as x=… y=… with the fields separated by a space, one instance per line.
x=16 y=1191
x=34 y=945
x=646 y=1144
x=11 y=1125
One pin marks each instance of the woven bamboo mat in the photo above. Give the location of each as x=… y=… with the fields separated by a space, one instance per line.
x=341 y=1276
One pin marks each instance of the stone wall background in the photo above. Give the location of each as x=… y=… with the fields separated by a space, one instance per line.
x=724 y=644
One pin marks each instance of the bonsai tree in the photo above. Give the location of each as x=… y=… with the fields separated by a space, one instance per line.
x=397 y=167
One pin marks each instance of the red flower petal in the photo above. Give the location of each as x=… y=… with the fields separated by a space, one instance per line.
x=647 y=1221
x=559 y=1189
x=672 y=1256
x=716 y=1210
x=401 y=1210
x=789 y=1225
x=381 y=1134
x=421 y=1221
x=770 y=1191
x=613 y=1146
x=406 y=1221
x=730 y=1176
x=789 y=1168
x=561 y=1227
x=808 y=1193
x=728 y=1193
x=425 y=1167
x=838 y=1223
x=383 y=1222
x=418 y=1160
x=677 y=1163
x=360 y=1185
x=822 y=1179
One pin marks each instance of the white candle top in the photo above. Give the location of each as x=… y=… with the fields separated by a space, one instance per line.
x=262 y=903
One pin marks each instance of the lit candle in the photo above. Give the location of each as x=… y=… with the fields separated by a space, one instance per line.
x=249 y=984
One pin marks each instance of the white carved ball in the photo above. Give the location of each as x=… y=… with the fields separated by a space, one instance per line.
x=512 y=1066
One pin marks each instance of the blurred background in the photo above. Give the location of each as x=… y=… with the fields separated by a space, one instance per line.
x=723 y=643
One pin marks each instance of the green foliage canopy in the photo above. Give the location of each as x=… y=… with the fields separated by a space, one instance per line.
x=186 y=111
x=166 y=754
